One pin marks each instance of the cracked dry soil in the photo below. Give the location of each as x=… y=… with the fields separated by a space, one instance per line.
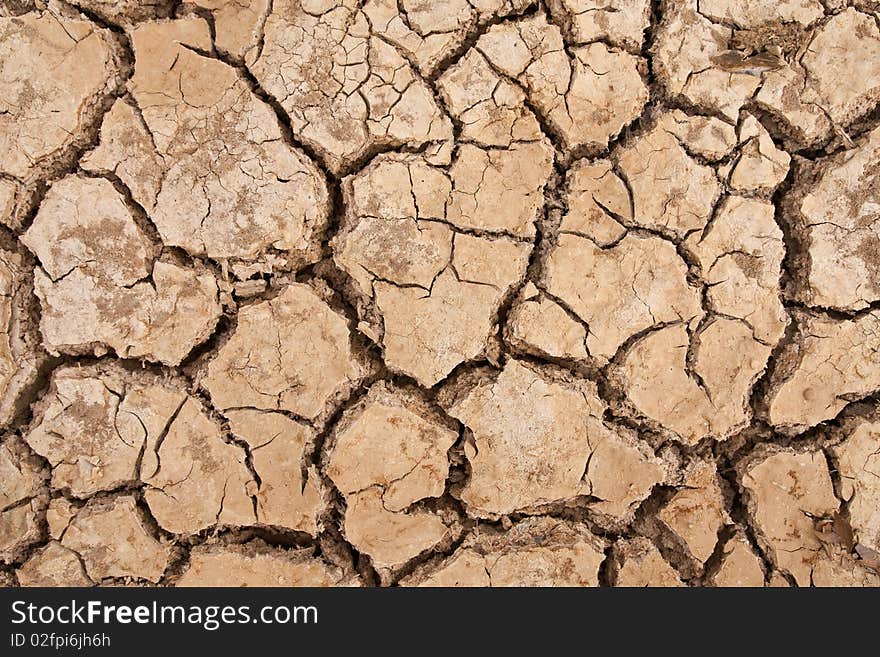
x=470 y=292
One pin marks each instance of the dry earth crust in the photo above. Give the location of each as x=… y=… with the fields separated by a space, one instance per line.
x=458 y=293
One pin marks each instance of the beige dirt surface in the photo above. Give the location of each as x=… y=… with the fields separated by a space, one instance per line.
x=440 y=293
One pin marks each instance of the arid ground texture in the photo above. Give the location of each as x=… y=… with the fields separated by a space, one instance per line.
x=440 y=293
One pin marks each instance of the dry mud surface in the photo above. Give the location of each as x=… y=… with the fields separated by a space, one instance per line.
x=471 y=292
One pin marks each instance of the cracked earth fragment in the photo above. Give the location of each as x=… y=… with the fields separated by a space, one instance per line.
x=537 y=440
x=827 y=364
x=760 y=167
x=54 y=73
x=838 y=219
x=708 y=399
x=20 y=355
x=621 y=290
x=598 y=201
x=788 y=492
x=21 y=498
x=678 y=376
x=8 y=190
x=94 y=425
x=126 y=150
x=741 y=255
x=705 y=136
x=255 y=566
x=428 y=32
x=22 y=475
x=194 y=479
x=741 y=566
x=696 y=513
x=103 y=428
x=620 y=22
x=640 y=564
x=59 y=514
x=491 y=109
x=389 y=454
x=238 y=26
x=540 y=326
x=807 y=94
x=858 y=462
x=228 y=185
x=290 y=353
x=19 y=529
x=671 y=192
x=103 y=284
x=113 y=541
x=534 y=552
x=346 y=91
x=288 y=495
x=435 y=289
x=53 y=565
x=587 y=94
